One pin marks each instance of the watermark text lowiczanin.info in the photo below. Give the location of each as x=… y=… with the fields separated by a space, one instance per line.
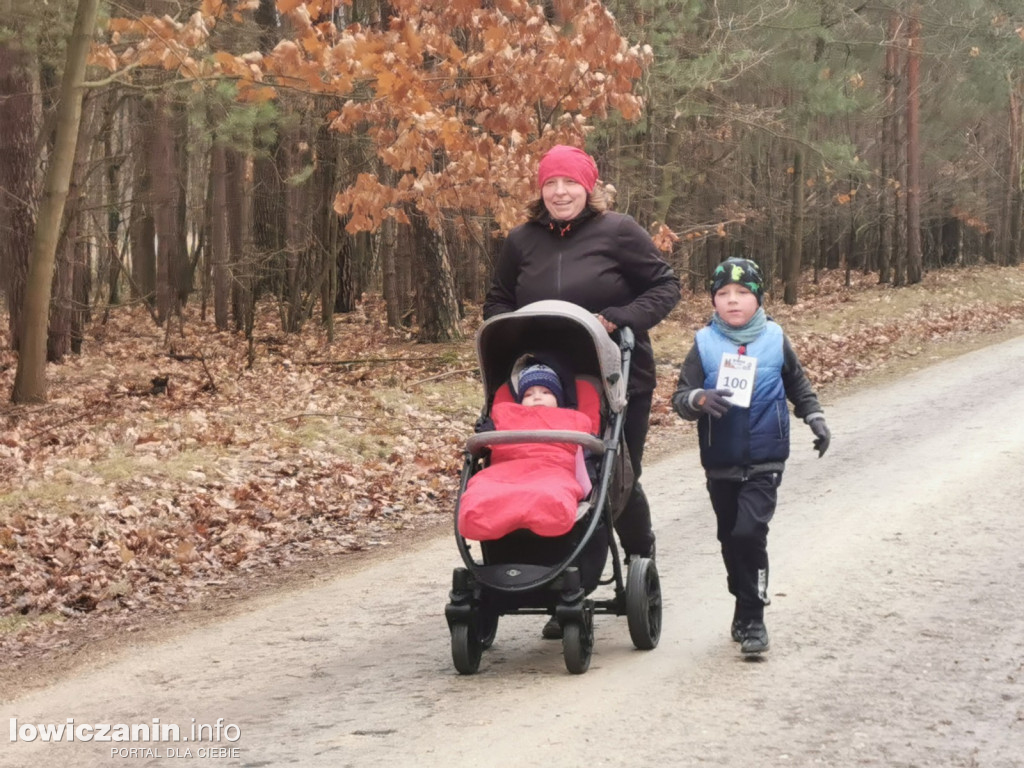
x=154 y=732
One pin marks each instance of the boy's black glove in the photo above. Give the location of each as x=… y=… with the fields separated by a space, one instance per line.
x=483 y=424
x=821 y=434
x=712 y=401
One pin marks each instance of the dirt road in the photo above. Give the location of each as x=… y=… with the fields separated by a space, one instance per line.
x=897 y=625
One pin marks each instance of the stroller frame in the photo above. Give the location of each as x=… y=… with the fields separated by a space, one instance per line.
x=483 y=591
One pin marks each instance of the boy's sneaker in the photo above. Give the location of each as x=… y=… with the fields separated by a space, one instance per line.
x=753 y=638
x=736 y=630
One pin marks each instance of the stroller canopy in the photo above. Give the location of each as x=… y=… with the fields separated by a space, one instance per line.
x=560 y=329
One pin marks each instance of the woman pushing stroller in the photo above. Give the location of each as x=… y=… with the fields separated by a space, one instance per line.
x=574 y=249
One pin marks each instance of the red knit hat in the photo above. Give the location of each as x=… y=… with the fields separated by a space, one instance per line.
x=574 y=163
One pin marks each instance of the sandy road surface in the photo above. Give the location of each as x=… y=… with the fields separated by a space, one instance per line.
x=897 y=626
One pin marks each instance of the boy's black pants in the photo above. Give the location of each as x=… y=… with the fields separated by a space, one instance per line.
x=744 y=509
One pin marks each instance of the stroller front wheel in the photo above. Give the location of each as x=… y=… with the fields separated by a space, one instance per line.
x=643 y=603
x=466 y=648
x=578 y=641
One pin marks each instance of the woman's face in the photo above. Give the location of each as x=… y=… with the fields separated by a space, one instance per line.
x=735 y=304
x=564 y=198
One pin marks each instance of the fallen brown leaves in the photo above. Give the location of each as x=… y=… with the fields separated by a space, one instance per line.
x=123 y=499
x=120 y=497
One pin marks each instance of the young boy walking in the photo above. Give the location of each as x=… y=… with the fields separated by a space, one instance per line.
x=735 y=382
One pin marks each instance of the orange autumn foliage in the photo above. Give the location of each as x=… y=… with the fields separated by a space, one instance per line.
x=458 y=100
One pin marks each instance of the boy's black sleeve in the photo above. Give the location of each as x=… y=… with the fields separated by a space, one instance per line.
x=799 y=390
x=691 y=378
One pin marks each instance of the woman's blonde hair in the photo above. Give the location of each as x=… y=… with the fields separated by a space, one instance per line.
x=601 y=199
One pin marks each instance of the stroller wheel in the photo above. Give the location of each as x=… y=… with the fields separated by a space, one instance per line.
x=466 y=648
x=488 y=628
x=643 y=603
x=578 y=642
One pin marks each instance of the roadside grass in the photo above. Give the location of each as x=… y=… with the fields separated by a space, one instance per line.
x=15 y=623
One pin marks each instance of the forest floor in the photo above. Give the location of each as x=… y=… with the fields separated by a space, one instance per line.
x=128 y=511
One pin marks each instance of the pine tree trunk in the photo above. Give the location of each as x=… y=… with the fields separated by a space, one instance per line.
x=58 y=329
x=329 y=243
x=471 y=281
x=1016 y=213
x=296 y=240
x=851 y=237
x=794 y=254
x=240 y=240
x=899 y=157
x=219 y=242
x=436 y=303
x=232 y=271
x=142 y=227
x=267 y=192
x=914 y=255
x=81 y=290
x=111 y=256
x=352 y=252
x=887 y=171
x=182 y=266
x=1012 y=206
x=19 y=181
x=167 y=163
x=70 y=247
x=392 y=296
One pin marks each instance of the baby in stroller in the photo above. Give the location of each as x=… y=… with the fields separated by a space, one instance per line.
x=532 y=486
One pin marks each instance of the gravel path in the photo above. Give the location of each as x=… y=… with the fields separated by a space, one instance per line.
x=896 y=625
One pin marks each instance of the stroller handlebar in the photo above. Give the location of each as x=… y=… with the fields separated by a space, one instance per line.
x=626 y=338
x=478 y=442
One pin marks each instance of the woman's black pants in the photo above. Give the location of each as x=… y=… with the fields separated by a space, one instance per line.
x=634 y=524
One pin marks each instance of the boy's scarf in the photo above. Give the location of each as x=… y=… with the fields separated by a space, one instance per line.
x=745 y=333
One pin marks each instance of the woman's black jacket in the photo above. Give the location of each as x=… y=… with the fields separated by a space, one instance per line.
x=605 y=263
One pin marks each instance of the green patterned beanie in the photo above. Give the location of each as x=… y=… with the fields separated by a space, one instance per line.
x=742 y=271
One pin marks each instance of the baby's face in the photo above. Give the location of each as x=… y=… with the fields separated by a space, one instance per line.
x=538 y=395
x=735 y=304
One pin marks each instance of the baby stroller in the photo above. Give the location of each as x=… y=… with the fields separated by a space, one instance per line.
x=522 y=572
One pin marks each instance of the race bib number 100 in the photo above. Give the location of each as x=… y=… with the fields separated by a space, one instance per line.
x=737 y=373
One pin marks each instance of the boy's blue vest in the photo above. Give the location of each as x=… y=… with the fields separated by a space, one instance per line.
x=746 y=436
